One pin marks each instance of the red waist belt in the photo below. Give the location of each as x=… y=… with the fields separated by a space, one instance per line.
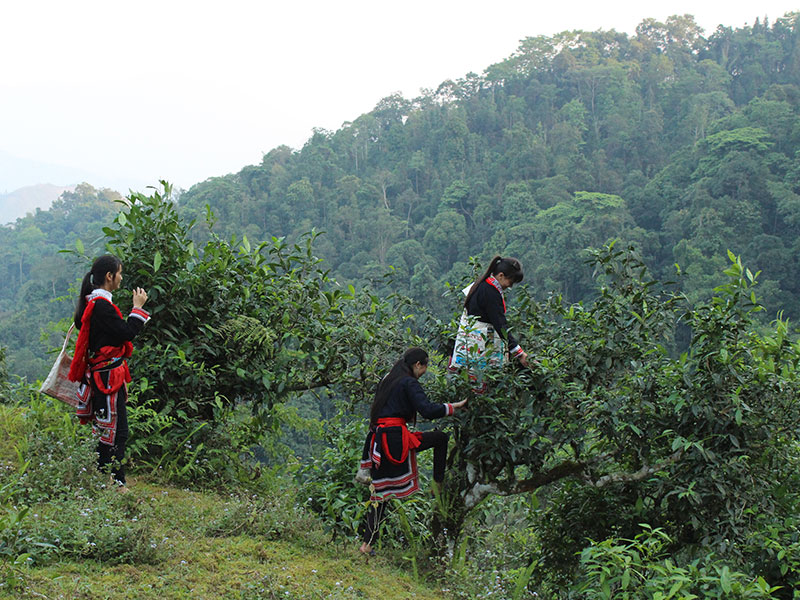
x=411 y=441
x=111 y=361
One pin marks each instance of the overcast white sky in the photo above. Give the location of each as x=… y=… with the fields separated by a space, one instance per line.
x=132 y=92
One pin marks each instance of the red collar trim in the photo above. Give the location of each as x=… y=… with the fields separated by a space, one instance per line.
x=496 y=284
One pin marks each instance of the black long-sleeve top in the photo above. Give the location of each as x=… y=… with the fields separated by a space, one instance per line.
x=107 y=328
x=487 y=305
x=407 y=398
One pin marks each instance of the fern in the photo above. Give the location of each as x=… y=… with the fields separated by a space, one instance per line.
x=247 y=337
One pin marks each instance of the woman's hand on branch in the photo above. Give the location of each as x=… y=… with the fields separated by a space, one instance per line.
x=525 y=361
x=459 y=404
x=139 y=297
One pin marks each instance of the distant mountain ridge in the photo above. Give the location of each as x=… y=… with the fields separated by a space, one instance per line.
x=17 y=172
x=27 y=199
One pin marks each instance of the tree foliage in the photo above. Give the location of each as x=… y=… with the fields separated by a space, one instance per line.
x=235 y=323
x=696 y=137
x=616 y=428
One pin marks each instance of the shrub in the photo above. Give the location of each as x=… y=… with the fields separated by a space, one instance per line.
x=214 y=453
x=327 y=481
x=496 y=555
x=107 y=527
x=642 y=568
x=55 y=503
x=775 y=550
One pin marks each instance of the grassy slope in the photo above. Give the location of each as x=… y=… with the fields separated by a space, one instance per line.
x=194 y=565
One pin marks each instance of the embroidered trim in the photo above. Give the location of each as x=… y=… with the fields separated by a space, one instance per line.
x=99 y=293
x=496 y=284
x=400 y=486
x=140 y=314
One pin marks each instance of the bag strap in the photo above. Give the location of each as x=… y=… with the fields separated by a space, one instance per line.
x=66 y=339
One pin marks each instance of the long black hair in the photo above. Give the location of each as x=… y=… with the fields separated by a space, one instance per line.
x=95 y=279
x=509 y=266
x=402 y=368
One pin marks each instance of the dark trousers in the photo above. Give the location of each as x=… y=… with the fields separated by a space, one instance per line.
x=113 y=455
x=376 y=511
x=438 y=441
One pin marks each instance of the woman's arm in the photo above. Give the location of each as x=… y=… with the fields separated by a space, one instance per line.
x=419 y=400
x=112 y=327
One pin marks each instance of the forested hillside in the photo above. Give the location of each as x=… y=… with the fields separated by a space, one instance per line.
x=648 y=450
x=681 y=143
x=39 y=280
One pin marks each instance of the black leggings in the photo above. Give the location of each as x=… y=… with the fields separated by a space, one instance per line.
x=376 y=511
x=438 y=441
x=113 y=455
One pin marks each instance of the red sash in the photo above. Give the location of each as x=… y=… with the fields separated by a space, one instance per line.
x=111 y=360
x=80 y=361
x=411 y=441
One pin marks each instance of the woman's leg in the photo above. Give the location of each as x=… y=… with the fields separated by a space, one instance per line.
x=113 y=454
x=105 y=455
x=372 y=525
x=121 y=439
x=438 y=441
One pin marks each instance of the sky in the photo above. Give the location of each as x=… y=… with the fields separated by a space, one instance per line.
x=123 y=94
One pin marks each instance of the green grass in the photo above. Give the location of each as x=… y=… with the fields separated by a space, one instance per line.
x=195 y=560
x=169 y=542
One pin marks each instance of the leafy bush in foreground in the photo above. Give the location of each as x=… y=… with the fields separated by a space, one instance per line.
x=642 y=568
x=57 y=504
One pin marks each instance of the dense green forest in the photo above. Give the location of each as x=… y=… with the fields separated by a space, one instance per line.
x=40 y=279
x=680 y=143
x=648 y=183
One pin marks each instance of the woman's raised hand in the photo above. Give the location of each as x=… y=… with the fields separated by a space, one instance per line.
x=139 y=297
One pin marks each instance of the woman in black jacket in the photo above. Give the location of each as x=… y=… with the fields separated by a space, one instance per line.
x=100 y=365
x=390 y=449
x=483 y=336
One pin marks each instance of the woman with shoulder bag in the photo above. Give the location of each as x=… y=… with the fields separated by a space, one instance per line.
x=100 y=360
x=483 y=338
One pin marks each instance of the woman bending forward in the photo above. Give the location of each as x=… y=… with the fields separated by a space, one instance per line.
x=390 y=450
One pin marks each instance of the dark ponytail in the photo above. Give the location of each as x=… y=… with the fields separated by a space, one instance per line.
x=509 y=266
x=402 y=368
x=93 y=280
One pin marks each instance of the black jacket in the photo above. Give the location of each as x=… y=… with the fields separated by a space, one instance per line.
x=407 y=398
x=487 y=305
x=107 y=328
